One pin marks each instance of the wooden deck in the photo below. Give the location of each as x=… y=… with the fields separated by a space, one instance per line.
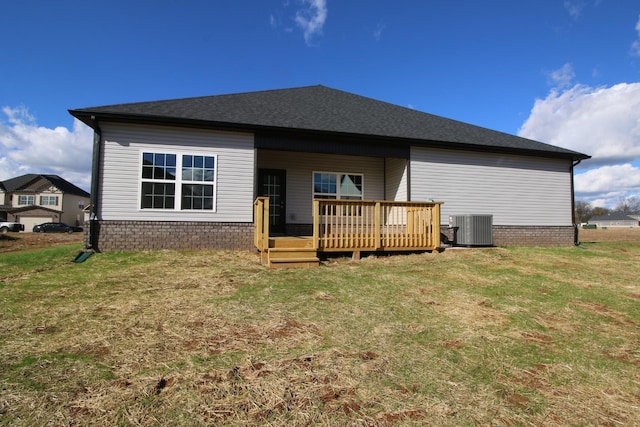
x=350 y=226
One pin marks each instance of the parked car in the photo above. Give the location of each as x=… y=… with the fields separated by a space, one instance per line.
x=55 y=227
x=10 y=226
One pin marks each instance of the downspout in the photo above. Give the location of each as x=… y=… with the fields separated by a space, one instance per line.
x=576 y=239
x=95 y=178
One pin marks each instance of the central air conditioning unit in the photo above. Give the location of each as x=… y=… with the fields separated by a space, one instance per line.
x=472 y=230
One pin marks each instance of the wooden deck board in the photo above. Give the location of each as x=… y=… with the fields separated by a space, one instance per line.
x=352 y=226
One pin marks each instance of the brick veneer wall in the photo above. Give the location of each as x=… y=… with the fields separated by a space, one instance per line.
x=140 y=235
x=503 y=235
x=533 y=235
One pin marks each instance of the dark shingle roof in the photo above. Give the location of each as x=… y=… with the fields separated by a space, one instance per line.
x=319 y=109
x=23 y=182
x=17 y=183
x=613 y=216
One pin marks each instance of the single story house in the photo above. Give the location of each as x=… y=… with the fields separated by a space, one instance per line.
x=186 y=173
x=614 y=219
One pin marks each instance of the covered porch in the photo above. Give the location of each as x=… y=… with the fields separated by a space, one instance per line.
x=349 y=226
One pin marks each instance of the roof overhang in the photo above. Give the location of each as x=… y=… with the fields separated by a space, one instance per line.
x=89 y=118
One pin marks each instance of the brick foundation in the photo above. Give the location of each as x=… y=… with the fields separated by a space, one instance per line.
x=532 y=235
x=141 y=235
x=506 y=235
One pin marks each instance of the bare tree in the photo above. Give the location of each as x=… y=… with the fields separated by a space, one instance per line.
x=599 y=211
x=629 y=205
x=583 y=211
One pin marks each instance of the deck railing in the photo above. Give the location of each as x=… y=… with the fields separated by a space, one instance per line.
x=363 y=225
x=344 y=225
x=261 y=223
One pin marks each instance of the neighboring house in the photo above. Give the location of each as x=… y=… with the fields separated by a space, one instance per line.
x=184 y=173
x=36 y=198
x=615 y=219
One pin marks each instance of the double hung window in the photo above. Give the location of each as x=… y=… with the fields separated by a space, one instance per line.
x=331 y=185
x=158 y=181
x=26 y=200
x=178 y=181
x=198 y=174
x=48 y=200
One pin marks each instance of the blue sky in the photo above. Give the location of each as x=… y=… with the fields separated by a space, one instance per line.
x=562 y=72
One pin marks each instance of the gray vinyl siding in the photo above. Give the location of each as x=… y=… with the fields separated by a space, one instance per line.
x=120 y=184
x=396 y=180
x=300 y=167
x=516 y=190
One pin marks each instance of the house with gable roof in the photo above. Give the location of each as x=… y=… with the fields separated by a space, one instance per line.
x=37 y=198
x=186 y=173
x=615 y=219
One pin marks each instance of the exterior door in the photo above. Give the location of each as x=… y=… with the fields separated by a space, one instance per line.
x=272 y=184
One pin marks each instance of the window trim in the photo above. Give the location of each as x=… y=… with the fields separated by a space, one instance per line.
x=338 y=175
x=333 y=211
x=178 y=181
x=49 y=197
x=27 y=196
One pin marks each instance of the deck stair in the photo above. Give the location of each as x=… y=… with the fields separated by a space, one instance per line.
x=290 y=252
x=349 y=226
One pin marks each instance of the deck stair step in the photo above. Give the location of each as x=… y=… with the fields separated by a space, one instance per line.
x=292 y=257
x=291 y=242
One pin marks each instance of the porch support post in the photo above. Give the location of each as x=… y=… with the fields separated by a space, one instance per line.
x=435 y=227
x=265 y=220
x=316 y=224
x=376 y=225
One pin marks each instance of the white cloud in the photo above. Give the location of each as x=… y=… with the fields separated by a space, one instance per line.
x=377 y=33
x=574 y=7
x=312 y=18
x=621 y=178
x=608 y=185
x=26 y=147
x=635 y=46
x=562 y=77
x=603 y=122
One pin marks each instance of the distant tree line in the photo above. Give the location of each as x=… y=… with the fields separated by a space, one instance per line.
x=584 y=211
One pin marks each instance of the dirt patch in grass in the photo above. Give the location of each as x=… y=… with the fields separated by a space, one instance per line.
x=11 y=242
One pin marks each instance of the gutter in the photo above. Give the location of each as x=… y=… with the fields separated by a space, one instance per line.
x=95 y=178
x=576 y=238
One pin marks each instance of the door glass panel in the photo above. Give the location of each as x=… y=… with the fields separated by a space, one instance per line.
x=272 y=189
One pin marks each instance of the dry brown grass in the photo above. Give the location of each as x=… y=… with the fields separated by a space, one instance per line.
x=610 y=234
x=521 y=336
x=23 y=241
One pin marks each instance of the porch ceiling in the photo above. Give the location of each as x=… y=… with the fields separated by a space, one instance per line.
x=370 y=147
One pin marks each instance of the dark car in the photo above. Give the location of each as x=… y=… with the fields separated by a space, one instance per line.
x=55 y=227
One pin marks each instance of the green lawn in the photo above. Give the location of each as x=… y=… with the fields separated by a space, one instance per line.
x=505 y=336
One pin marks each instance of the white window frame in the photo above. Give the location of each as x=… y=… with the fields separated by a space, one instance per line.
x=338 y=195
x=48 y=200
x=26 y=198
x=179 y=181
